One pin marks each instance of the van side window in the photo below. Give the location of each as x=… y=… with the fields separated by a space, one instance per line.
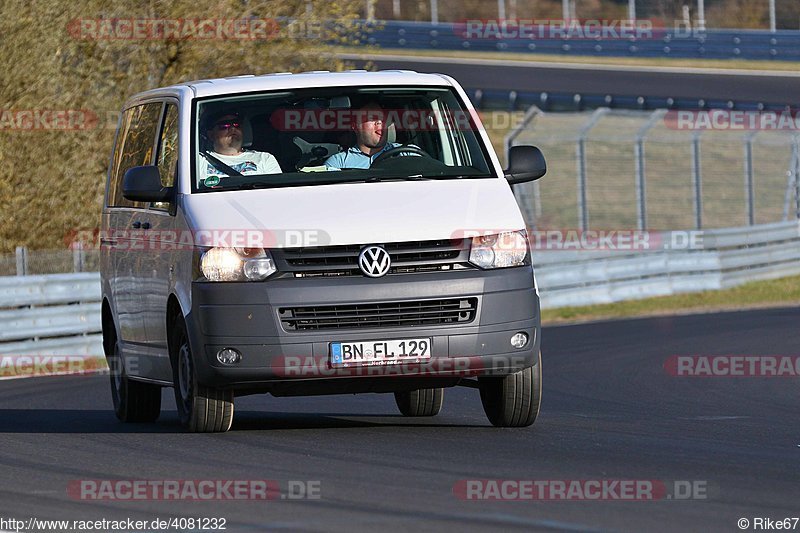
x=136 y=142
x=167 y=158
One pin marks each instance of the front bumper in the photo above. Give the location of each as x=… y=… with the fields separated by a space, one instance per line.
x=245 y=316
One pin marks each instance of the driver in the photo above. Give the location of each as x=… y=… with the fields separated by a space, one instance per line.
x=370 y=128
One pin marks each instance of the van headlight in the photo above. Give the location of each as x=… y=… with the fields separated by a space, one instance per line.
x=236 y=264
x=507 y=249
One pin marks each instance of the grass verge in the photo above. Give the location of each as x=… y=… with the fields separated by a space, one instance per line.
x=782 y=292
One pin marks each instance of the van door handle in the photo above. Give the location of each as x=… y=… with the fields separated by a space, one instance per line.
x=145 y=225
x=137 y=225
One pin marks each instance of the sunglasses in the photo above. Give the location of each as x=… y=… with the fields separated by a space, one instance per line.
x=228 y=124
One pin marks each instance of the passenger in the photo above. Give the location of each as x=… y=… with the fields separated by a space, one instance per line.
x=224 y=133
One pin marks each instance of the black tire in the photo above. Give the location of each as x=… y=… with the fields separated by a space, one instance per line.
x=513 y=400
x=200 y=409
x=134 y=401
x=421 y=402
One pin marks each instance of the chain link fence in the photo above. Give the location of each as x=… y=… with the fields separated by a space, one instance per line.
x=26 y=262
x=611 y=169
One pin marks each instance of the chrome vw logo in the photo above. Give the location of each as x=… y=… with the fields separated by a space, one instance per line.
x=374 y=261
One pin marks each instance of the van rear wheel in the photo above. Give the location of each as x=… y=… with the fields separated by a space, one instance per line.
x=421 y=402
x=513 y=400
x=134 y=401
x=200 y=409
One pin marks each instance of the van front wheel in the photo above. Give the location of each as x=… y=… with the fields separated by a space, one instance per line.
x=513 y=400
x=421 y=402
x=200 y=409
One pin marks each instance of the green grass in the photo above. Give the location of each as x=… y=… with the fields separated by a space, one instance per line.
x=758 y=294
x=741 y=64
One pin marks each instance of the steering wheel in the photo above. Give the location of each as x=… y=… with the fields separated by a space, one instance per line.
x=398 y=151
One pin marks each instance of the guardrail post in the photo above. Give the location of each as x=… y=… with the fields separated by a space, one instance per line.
x=22 y=261
x=749 y=189
x=697 y=181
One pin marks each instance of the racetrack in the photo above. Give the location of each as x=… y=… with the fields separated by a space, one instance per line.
x=773 y=87
x=610 y=411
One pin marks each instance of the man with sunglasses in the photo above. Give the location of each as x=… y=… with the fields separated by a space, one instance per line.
x=224 y=133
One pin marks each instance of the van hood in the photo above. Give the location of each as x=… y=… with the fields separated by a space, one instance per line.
x=355 y=213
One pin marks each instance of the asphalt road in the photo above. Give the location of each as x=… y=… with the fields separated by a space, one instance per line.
x=708 y=84
x=610 y=411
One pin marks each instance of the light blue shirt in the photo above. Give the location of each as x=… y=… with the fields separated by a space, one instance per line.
x=355 y=158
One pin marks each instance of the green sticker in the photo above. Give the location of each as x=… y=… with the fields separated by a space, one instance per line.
x=211 y=181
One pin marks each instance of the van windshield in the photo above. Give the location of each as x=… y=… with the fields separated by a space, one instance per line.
x=335 y=135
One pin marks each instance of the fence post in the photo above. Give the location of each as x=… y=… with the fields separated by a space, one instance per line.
x=791 y=178
x=78 y=257
x=796 y=172
x=22 y=261
x=580 y=158
x=697 y=181
x=641 y=175
x=749 y=188
x=580 y=149
x=524 y=199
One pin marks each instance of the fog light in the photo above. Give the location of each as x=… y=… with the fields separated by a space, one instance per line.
x=519 y=340
x=228 y=356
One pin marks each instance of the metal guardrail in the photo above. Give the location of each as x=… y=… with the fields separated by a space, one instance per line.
x=57 y=314
x=60 y=314
x=679 y=43
x=726 y=258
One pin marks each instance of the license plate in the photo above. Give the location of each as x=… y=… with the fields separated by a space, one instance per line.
x=380 y=352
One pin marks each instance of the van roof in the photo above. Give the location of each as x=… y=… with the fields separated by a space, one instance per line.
x=288 y=80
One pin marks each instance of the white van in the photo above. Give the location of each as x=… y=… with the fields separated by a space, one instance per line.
x=316 y=233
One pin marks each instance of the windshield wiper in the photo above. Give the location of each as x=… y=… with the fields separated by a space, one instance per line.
x=413 y=177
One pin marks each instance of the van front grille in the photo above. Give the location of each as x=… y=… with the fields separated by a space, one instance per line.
x=406 y=257
x=379 y=315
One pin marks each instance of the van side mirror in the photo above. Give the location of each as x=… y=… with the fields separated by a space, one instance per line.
x=143 y=184
x=525 y=163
